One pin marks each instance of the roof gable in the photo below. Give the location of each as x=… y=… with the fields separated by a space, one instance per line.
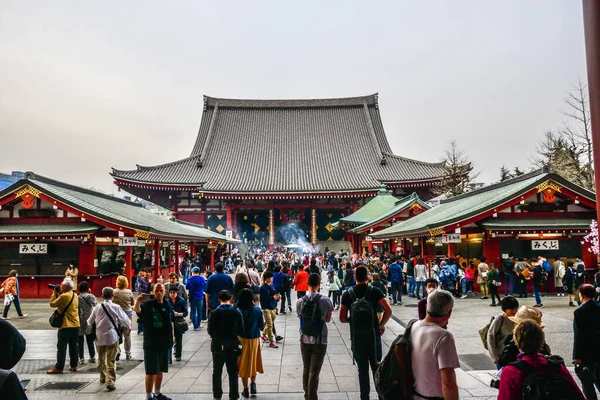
x=110 y=209
x=378 y=205
x=477 y=203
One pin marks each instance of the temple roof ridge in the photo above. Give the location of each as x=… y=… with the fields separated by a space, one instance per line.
x=369 y=100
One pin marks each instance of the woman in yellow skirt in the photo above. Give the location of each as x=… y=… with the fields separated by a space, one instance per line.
x=250 y=361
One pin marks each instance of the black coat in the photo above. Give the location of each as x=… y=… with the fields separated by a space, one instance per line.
x=586 y=327
x=225 y=324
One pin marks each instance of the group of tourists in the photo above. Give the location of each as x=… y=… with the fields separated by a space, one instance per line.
x=240 y=310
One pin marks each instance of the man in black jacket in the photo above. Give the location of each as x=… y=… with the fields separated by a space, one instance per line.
x=586 y=349
x=508 y=268
x=225 y=324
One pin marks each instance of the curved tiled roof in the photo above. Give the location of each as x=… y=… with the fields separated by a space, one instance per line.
x=295 y=146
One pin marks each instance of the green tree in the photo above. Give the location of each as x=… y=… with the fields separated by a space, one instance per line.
x=458 y=171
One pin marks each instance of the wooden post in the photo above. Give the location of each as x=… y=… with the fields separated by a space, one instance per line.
x=212 y=259
x=156 y=250
x=228 y=216
x=176 y=257
x=450 y=249
x=271 y=229
x=313 y=227
x=128 y=264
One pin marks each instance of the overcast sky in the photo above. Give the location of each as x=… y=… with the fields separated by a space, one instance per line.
x=85 y=86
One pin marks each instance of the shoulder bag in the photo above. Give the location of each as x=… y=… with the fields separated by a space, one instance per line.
x=56 y=319
x=119 y=329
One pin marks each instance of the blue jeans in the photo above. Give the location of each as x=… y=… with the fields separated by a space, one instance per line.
x=536 y=294
x=367 y=355
x=17 y=304
x=421 y=287
x=196 y=312
x=509 y=278
x=186 y=274
x=396 y=289
x=411 y=286
x=464 y=286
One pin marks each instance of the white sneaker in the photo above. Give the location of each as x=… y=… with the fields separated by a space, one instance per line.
x=464 y=297
x=23 y=316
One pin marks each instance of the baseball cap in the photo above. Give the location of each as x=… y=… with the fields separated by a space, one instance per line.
x=195 y=269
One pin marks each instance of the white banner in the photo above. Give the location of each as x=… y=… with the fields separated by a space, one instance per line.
x=544 y=245
x=451 y=238
x=438 y=242
x=128 y=241
x=33 y=248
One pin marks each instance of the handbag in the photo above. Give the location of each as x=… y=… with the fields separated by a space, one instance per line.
x=181 y=326
x=8 y=299
x=119 y=329
x=56 y=319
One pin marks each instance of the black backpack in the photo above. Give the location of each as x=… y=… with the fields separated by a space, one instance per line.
x=394 y=378
x=362 y=315
x=311 y=320
x=546 y=385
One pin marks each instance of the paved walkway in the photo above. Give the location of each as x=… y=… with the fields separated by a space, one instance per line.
x=191 y=378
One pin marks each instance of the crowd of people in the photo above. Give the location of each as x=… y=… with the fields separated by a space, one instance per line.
x=240 y=301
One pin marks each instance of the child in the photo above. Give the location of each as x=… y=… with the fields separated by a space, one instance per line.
x=493 y=281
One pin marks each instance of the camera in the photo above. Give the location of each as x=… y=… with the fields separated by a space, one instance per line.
x=54 y=287
x=495 y=383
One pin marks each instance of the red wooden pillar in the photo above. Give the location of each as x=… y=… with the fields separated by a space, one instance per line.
x=450 y=249
x=228 y=216
x=235 y=221
x=192 y=247
x=87 y=255
x=128 y=264
x=156 y=250
x=176 y=257
x=423 y=243
x=212 y=259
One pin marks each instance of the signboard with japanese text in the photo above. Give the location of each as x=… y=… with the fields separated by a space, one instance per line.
x=451 y=238
x=128 y=241
x=33 y=248
x=544 y=245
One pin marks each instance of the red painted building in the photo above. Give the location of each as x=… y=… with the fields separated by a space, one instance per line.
x=259 y=165
x=537 y=213
x=45 y=225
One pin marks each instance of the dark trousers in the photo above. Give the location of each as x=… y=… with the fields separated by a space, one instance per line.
x=521 y=286
x=494 y=293
x=178 y=343
x=300 y=295
x=17 y=303
x=312 y=359
x=285 y=294
x=90 y=345
x=367 y=354
x=229 y=359
x=589 y=375
x=67 y=337
x=396 y=289
x=334 y=295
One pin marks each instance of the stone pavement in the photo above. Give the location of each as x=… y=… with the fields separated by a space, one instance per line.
x=191 y=378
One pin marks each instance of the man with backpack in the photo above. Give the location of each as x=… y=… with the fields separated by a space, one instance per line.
x=359 y=307
x=434 y=357
x=586 y=349
x=395 y=277
x=314 y=311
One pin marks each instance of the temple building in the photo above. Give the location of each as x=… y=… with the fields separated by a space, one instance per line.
x=259 y=167
x=539 y=213
x=47 y=225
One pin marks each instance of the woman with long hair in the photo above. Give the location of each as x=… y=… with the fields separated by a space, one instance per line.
x=250 y=361
x=124 y=298
x=334 y=289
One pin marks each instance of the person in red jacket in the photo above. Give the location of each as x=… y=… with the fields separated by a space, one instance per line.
x=529 y=338
x=301 y=282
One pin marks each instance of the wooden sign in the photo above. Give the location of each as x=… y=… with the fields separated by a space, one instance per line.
x=128 y=241
x=451 y=238
x=544 y=244
x=33 y=248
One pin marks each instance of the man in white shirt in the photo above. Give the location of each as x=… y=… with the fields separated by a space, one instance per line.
x=108 y=317
x=434 y=355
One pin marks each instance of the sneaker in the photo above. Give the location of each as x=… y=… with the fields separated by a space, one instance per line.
x=465 y=296
x=278 y=338
x=399 y=303
x=493 y=305
x=264 y=338
x=110 y=387
x=81 y=361
x=177 y=358
x=245 y=393
x=6 y=318
x=253 y=388
x=273 y=345
x=73 y=369
x=23 y=316
x=282 y=312
x=571 y=304
x=161 y=396
x=289 y=308
x=128 y=357
x=54 y=370
x=92 y=359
